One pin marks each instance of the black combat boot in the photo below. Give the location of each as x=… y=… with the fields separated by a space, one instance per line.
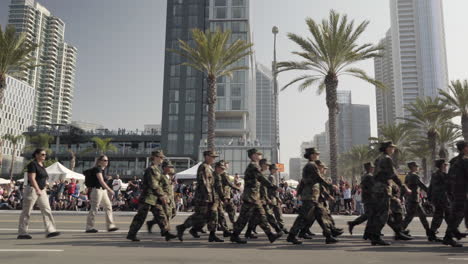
x=304 y=235
x=402 y=236
x=292 y=239
x=331 y=240
x=214 y=238
x=227 y=233
x=431 y=236
x=194 y=233
x=284 y=230
x=236 y=239
x=133 y=238
x=249 y=235
x=376 y=240
x=202 y=231
x=150 y=225
x=448 y=240
x=180 y=232
x=366 y=236
x=168 y=236
x=336 y=232
x=458 y=235
x=351 y=227
x=273 y=236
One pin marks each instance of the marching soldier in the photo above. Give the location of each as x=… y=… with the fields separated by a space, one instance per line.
x=438 y=195
x=251 y=199
x=310 y=196
x=228 y=186
x=367 y=182
x=206 y=200
x=152 y=198
x=413 y=204
x=379 y=206
x=273 y=196
x=220 y=170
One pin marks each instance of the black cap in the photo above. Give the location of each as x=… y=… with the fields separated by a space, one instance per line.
x=368 y=165
x=210 y=153
x=438 y=163
x=412 y=164
x=167 y=163
x=250 y=152
x=158 y=153
x=461 y=145
x=385 y=145
x=264 y=162
x=220 y=165
x=273 y=167
x=310 y=151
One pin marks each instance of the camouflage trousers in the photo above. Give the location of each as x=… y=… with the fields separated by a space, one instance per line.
x=395 y=217
x=311 y=217
x=312 y=210
x=205 y=213
x=441 y=212
x=415 y=209
x=278 y=212
x=247 y=210
x=159 y=217
x=230 y=209
x=362 y=218
x=270 y=216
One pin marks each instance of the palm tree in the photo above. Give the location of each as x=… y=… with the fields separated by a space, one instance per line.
x=103 y=145
x=41 y=140
x=419 y=149
x=326 y=55
x=356 y=157
x=14 y=55
x=214 y=56
x=457 y=99
x=14 y=141
x=399 y=135
x=448 y=135
x=426 y=117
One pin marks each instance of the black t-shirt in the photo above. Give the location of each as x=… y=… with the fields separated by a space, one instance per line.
x=41 y=174
x=93 y=180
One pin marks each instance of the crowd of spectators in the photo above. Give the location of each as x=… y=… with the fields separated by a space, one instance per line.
x=72 y=195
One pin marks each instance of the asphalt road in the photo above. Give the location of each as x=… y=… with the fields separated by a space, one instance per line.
x=74 y=246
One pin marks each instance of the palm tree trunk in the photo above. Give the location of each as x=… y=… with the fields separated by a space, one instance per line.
x=211 y=111
x=433 y=145
x=12 y=161
x=464 y=123
x=424 y=165
x=331 y=83
x=72 y=160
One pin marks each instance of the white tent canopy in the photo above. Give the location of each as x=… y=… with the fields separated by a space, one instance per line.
x=57 y=171
x=292 y=183
x=188 y=174
x=4 y=181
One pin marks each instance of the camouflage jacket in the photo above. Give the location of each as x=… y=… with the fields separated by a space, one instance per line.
x=206 y=191
x=385 y=170
x=152 y=186
x=439 y=189
x=227 y=185
x=415 y=184
x=311 y=182
x=253 y=178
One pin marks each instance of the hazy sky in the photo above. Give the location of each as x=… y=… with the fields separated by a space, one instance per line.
x=121 y=57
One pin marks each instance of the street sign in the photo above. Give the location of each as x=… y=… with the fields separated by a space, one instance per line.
x=280 y=167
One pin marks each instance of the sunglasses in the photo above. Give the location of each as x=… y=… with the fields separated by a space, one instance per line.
x=105 y=160
x=43 y=154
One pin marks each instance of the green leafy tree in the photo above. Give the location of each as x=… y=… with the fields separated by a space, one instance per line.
x=41 y=140
x=457 y=99
x=448 y=135
x=354 y=159
x=15 y=140
x=399 y=134
x=103 y=145
x=215 y=57
x=327 y=54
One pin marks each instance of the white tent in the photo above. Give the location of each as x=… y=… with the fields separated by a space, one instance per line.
x=4 y=181
x=292 y=183
x=188 y=174
x=57 y=171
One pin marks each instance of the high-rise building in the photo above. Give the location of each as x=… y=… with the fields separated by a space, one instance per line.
x=418 y=50
x=385 y=98
x=54 y=81
x=295 y=168
x=265 y=107
x=184 y=123
x=16 y=115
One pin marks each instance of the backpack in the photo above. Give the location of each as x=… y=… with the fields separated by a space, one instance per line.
x=88 y=174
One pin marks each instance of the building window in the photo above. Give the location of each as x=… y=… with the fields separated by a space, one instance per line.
x=193 y=21
x=239 y=26
x=191 y=71
x=220 y=3
x=220 y=12
x=238 y=12
x=175 y=70
x=236 y=105
x=188 y=143
x=177 y=21
x=174 y=83
x=173 y=95
x=221 y=104
x=190 y=108
x=236 y=90
x=189 y=123
x=238 y=77
x=191 y=83
x=190 y=95
x=221 y=90
x=238 y=2
x=172 y=143
x=173 y=121
x=173 y=108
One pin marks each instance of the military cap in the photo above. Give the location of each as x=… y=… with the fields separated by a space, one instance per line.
x=385 y=145
x=250 y=152
x=210 y=153
x=461 y=145
x=224 y=161
x=310 y=151
x=438 y=163
x=368 y=165
x=412 y=164
x=264 y=162
x=273 y=167
x=158 y=153
x=321 y=164
x=220 y=164
x=167 y=164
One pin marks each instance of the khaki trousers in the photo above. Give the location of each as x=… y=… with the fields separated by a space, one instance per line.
x=30 y=198
x=99 y=197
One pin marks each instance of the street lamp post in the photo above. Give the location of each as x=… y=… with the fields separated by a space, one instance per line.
x=276 y=102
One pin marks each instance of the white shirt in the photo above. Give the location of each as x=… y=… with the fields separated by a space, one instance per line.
x=117 y=184
x=347 y=193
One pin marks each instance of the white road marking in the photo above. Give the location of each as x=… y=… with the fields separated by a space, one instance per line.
x=31 y=250
x=458 y=259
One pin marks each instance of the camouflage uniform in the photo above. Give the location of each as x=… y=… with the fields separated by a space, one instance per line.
x=228 y=203
x=459 y=185
x=252 y=203
x=395 y=218
x=206 y=200
x=413 y=201
x=311 y=205
x=169 y=207
x=438 y=195
x=275 y=204
x=367 y=183
x=151 y=200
